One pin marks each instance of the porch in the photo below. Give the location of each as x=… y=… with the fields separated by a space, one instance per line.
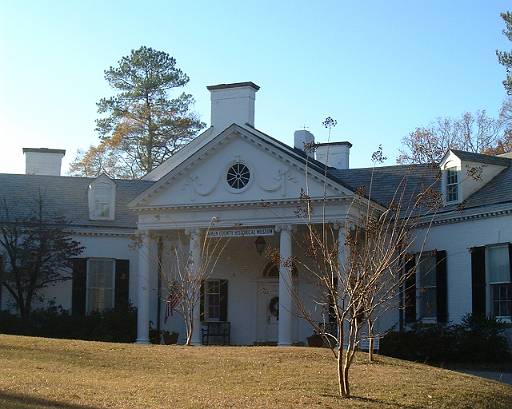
x=245 y=299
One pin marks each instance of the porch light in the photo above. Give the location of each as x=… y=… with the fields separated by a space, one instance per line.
x=260 y=244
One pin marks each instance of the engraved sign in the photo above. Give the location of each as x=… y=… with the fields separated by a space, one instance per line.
x=247 y=232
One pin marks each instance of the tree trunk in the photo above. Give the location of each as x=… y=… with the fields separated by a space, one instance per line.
x=25 y=308
x=343 y=385
x=371 y=341
x=340 y=371
x=190 y=330
x=346 y=385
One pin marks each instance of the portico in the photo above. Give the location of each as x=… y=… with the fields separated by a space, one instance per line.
x=260 y=292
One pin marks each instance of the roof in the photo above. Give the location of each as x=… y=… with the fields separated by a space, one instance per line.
x=482 y=158
x=44 y=150
x=334 y=144
x=381 y=184
x=67 y=196
x=233 y=85
x=497 y=190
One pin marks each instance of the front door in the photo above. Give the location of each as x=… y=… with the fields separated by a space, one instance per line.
x=268 y=311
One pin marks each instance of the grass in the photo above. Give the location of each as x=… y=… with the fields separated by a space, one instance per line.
x=50 y=374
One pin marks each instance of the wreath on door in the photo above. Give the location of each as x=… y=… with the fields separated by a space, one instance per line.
x=273 y=307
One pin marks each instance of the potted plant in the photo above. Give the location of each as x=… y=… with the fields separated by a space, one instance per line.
x=170 y=337
x=315 y=340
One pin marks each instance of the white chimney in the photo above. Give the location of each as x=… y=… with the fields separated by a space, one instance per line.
x=232 y=103
x=303 y=139
x=43 y=161
x=334 y=154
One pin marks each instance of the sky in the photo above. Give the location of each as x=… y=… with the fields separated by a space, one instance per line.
x=380 y=68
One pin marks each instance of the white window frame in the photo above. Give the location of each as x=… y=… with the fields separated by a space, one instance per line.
x=89 y=260
x=419 y=287
x=105 y=182
x=456 y=184
x=488 y=284
x=207 y=293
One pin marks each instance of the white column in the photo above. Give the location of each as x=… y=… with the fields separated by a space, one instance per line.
x=143 y=290
x=195 y=260
x=342 y=247
x=285 y=286
x=344 y=229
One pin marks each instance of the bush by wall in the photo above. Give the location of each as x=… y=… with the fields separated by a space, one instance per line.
x=118 y=325
x=474 y=340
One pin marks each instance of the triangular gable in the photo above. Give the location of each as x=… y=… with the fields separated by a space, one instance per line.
x=263 y=142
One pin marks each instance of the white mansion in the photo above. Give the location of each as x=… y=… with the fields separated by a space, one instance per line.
x=225 y=174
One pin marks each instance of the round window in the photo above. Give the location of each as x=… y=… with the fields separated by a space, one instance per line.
x=238 y=176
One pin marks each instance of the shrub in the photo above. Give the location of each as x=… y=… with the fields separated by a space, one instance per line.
x=117 y=325
x=475 y=339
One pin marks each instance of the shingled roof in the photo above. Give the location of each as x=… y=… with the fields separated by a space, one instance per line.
x=381 y=184
x=482 y=158
x=67 y=196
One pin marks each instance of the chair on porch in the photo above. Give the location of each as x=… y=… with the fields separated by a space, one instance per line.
x=215 y=332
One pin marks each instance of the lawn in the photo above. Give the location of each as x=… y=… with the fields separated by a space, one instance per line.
x=45 y=373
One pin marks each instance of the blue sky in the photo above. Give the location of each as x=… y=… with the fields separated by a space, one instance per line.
x=380 y=68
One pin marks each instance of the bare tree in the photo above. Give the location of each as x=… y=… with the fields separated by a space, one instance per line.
x=186 y=275
x=476 y=132
x=38 y=248
x=358 y=273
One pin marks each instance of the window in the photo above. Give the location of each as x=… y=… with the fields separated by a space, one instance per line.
x=100 y=284
x=212 y=300
x=238 y=176
x=102 y=199
x=452 y=185
x=427 y=288
x=499 y=280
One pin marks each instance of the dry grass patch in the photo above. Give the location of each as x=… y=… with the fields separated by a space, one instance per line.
x=46 y=373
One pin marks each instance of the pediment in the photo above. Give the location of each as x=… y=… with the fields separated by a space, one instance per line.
x=266 y=174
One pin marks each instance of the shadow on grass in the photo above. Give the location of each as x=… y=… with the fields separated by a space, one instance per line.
x=19 y=401
x=369 y=400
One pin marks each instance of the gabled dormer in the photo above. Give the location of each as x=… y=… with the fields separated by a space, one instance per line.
x=464 y=173
x=102 y=198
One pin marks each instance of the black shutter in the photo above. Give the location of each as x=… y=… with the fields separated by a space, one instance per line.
x=441 y=287
x=510 y=260
x=410 y=290
x=1 y=279
x=223 y=300
x=78 y=287
x=478 y=280
x=201 y=302
x=122 y=284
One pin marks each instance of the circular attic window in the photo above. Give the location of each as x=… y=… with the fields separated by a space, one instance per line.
x=238 y=176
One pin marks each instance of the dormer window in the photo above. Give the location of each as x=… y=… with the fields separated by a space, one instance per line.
x=102 y=199
x=452 y=185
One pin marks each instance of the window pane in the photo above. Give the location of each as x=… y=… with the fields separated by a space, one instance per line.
x=498 y=264
x=501 y=297
x=213 y=286
x=451 y=175
x=427 y=271
x=213 y=300
x=100 y=292
x=452 y=193
x=428 y=304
